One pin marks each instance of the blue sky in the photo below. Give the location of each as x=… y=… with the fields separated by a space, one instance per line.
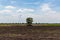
x=42 y=11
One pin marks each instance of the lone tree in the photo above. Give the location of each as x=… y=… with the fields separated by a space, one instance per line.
x=29 y=21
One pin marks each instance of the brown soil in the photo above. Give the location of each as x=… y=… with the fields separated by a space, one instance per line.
x=29 y=33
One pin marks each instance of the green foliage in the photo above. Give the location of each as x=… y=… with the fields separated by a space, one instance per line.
x=29 y=21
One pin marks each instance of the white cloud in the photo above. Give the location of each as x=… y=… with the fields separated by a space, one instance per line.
x=48 y=14
x=10 y=7
x=5 y=11
x=25 y=10
x=20 y=15
x=13 y=15
x=45 y=7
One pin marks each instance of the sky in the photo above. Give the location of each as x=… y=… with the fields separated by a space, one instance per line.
x=42 y=11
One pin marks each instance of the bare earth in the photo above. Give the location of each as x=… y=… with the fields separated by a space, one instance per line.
x=29 y=33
